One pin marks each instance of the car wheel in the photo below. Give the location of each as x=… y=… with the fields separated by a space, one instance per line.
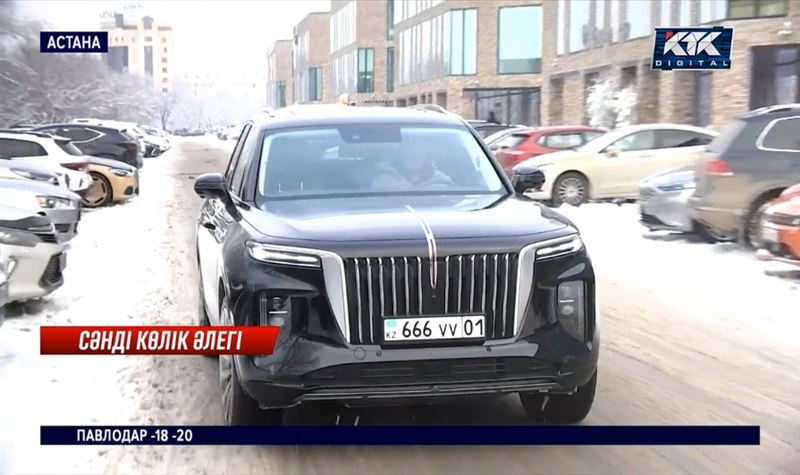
x=237 y=407
x=560 y=408
x=99 y=193
x=752 y=228
x=570 y=188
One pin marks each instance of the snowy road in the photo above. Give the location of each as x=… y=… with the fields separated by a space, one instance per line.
x=691 y=334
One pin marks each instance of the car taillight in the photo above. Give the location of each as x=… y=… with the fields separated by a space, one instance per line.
x=77 y=166
x=718 y=167
x=131 y=147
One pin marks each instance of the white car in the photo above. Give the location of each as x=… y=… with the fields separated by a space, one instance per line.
x=42 y=149
x=612 y=166
x=33 y=255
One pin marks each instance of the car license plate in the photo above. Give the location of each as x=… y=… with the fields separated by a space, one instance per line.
x=769 y=234
x=434 y=328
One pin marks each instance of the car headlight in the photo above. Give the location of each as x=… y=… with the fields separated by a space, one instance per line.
x=560 y=249
x=54 y=202
x=121 y=172
x=13 y=237
x=263 y=253
x=677 y=187
x=570 y=308
x=31 y=175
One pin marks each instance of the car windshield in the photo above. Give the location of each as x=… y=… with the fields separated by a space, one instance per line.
x=374 y=160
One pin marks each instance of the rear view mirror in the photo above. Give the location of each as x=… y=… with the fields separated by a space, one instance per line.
x=211 y=185
x=526 y=178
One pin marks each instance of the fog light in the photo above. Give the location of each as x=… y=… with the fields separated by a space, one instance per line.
x=570 y=308
x=274 y=310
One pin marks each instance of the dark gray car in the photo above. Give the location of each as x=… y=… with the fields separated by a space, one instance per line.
x=750 y=163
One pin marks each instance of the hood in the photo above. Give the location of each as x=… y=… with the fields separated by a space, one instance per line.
x=107 y=162
x=39 y=188
x=22 y=218
x=789 y=207
x=389 y=219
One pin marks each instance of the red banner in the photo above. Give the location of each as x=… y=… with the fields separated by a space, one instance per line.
x=157 y=340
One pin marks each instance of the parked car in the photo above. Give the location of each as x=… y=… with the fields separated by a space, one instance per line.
x=3 y=281
x=780 y=228
x=44 y=171
x=43 y=148
x=748 y=165
x=612 y=165
x=664 y=204
x=491 y=140
x=427 y=273
x=100 y=141
x=112 y=181
x=35 y=257
x=522 y=144
x=63 y=207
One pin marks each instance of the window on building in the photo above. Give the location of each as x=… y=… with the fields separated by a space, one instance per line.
x=389 y=69
x=147 y=23
x=148 y=38
x=685 y=13
x=280 y=94
x=638 y=19
x=462 y=42
x=164 y=70
x=560 y=20
x=163 y=60
x=775 y=75
x=148 y=60
x=164 y=89
x=165 y=49
x=390 y=19
x=702 y=102
x=666 y=13
x=756 y=8
x=616 y=28
x=519 y=39
x=509 y=106
x=578 y=24
x=782 y=135
x=366 y=70
x=712 y=10
x=315 y=84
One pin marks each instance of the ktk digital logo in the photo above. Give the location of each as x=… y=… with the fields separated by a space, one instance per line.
x=73 y=42
x=692 y=48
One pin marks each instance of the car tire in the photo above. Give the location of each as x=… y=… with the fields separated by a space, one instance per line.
x=570 y=188
x=560 y=408
x=751 y=231
x=202 y=315
x=238 y=408
x=105 y=192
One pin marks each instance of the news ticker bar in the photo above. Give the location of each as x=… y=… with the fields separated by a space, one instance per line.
x=401 y=435
x=157 y=340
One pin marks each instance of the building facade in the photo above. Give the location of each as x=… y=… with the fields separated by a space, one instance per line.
x=311 y=60
x=534 y=61
x=280 y=84
x=140 y=45
x=362 y=52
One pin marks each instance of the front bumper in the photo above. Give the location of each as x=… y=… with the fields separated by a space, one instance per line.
x=65 y=221
x=124 y=187
x=660 y=210
x=36 y=270
x=548 y=361
x=780 y=243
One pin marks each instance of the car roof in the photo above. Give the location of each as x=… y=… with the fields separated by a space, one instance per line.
x=656 y=126
x=101 y=128
x=30 y=135
x=559 y=128
x=772 y=111
x=337 y=114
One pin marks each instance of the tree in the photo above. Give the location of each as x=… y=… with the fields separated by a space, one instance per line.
x=166 y=104
x=609 y=106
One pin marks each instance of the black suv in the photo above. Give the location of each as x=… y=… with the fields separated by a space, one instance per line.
x=745 y=167
x=100 y=141
x=400 y=264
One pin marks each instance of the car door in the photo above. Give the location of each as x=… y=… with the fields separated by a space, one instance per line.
x=623 y=164
x=214 y=223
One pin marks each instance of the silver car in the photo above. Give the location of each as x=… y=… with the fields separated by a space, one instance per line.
x=34 y=257
x=663 y=204
x=62 y=206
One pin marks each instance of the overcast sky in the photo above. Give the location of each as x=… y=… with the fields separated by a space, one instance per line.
x=225 y=37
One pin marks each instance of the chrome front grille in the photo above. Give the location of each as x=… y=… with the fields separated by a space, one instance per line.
x=385 y=287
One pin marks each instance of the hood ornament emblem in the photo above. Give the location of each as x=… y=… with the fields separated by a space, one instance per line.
x=432 y=254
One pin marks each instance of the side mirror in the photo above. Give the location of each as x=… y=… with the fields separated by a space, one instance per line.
x=612 y=152
x=527 y=177
x=211 y=185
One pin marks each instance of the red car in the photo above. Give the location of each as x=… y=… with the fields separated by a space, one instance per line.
x=522 y=144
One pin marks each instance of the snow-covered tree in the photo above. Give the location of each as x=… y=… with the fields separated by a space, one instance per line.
x=609 y=106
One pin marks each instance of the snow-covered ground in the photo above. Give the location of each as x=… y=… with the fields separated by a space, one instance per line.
x=692 y=334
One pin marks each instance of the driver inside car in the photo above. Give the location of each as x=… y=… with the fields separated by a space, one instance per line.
x=415 y=168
